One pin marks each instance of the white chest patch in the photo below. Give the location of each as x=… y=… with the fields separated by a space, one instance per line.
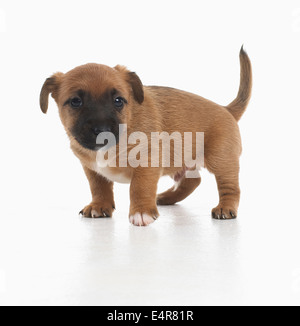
x=110 y=174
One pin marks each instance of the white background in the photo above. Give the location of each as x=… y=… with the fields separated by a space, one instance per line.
x=49 y=255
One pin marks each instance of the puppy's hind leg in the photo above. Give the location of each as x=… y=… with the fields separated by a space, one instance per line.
x=229 y=191
x=222 y=159
x=182 y=189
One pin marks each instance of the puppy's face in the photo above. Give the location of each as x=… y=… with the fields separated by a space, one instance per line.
x=93 y=99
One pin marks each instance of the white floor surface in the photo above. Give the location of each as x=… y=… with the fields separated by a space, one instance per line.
x=185 y=258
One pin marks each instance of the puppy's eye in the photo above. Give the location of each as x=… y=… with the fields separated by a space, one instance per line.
x=119 y=103
x=76 y=102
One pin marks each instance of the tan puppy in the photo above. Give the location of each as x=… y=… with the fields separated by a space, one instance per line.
x=94 y=98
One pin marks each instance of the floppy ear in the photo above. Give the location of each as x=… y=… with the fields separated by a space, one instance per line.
x=133 y=79
x=51 y=85
x=137 y=87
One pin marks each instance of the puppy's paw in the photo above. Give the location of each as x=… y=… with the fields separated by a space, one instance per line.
x=222 y=212
x=141 y=219
x=98 y=209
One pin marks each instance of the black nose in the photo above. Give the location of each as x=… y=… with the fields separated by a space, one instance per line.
x=99 y=130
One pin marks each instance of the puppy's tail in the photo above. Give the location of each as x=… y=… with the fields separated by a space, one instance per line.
x=239 y=105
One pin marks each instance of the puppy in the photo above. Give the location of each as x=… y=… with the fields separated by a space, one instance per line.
x=94 y=98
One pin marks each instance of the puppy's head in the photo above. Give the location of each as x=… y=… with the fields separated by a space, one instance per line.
x=93 y=98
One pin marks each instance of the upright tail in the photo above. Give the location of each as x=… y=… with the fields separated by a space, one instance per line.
x=239 y=105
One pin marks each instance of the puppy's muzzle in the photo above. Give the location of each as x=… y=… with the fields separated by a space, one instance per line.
x=93 y=136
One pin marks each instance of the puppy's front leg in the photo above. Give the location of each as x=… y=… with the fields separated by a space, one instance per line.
x=143 y=187
x=102 y=204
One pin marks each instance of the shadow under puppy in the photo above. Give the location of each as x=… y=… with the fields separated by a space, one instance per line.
x=95 y=98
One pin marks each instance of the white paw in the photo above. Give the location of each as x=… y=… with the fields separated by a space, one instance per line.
x=139 y=219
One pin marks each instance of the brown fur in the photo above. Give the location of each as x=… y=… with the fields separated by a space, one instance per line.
x=151 y=109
